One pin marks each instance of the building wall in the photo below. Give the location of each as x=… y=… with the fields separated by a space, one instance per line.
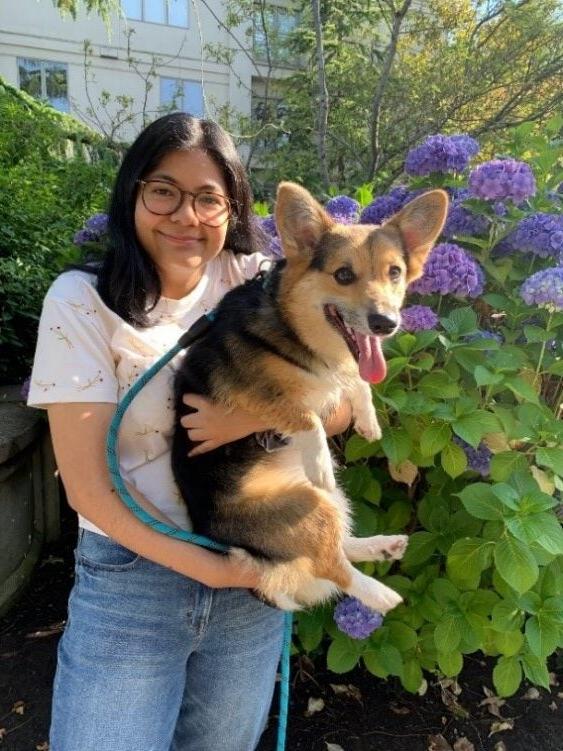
x=37 y=30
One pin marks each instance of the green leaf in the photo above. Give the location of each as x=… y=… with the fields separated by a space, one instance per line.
x=373 y=663
x=480 y=501
x=542 y=635
x=343 y=654
x=412 y=675
x=508 y=643
x=556 y=368
x=447 y=634
x=474 y=426
x=522 y=389
x=391 y=659
x=450 y=663
x=401 y=636
x=484 y=377
x=552 y=458
x=515 y=563
x=537 y=334
x=406 y=343
x=461 y=321
x=467 y=559
x=439 y=385
x=395 y=365
x=507 y=676
x=310 y=629
x=506 y=616
x=543 y=528
x=397 y=444
x=505 y=463
x=358 y=448
x=356 y=480
x=454 y=460
x=420 y=548
x=535 y=670
x=434 y=438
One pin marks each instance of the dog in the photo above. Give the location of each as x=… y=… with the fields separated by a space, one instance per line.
x=286 y=347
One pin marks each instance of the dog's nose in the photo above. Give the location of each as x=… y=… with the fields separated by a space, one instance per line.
x=381 y=325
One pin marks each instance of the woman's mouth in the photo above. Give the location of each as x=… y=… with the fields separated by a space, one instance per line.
x=180 y=239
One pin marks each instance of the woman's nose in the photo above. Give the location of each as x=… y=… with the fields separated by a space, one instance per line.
x=186 y=212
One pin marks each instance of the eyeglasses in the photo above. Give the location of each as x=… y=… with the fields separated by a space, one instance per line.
x=159 y=197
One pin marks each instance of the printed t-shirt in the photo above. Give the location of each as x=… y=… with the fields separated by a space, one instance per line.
x=87 y=353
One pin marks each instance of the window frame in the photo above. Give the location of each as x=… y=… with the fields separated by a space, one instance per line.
x=166 y=106
x=166 y=7
x=44 y=97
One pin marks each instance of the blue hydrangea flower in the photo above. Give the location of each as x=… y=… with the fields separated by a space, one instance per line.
x=441 y=154
x=274 y=248
x=449 y=269
x=502 y=179
x=355 y=619
x=384 y=207
x=418 y=318
x=462 y=221
x=544 y=289
x=98 y=224
x=268 y=225
x=84 y=236
x=343 y=209
x=540 y=234
x=479 y=459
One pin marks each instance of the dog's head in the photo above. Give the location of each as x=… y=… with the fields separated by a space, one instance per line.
x=344 y=285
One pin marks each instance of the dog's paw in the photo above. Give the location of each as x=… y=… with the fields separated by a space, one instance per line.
x=393 y=547
x=368 y=428
x=320 y=472
x=382 y=598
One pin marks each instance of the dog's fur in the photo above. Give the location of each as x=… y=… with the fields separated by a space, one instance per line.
x=277 y=350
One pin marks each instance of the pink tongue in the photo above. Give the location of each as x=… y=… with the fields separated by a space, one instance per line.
x=373 y=367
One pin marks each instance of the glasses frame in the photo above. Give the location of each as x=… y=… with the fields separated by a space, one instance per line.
x=183 y=194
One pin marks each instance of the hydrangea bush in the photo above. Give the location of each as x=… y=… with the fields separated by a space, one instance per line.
x=470 y=464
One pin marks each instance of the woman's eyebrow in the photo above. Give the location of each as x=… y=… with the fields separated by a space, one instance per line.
x=213 y=187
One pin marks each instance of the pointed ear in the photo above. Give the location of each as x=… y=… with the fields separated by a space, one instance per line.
x=419 y=224
x=300 y=220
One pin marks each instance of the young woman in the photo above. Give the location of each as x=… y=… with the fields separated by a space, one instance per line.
x=165 y=648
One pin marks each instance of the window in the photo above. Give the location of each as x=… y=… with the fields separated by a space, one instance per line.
x=269 y=115
x=179 y=94
x=272 y=27
x=168 y=12
x=45 y=80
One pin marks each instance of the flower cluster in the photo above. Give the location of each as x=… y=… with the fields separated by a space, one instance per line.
x=418 y=318
x=460 y=220
x=502 y=179
x=544 y=289
x=384 y=207
x=441 y=154
x=268 y=225
x=482 y=334
x=93 y=231
x=343 y=209
x=450 y=270
x=355 y=619
x=479 y=459
x=540 y=234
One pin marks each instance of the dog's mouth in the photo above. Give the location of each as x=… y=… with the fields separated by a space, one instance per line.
x=365 y=349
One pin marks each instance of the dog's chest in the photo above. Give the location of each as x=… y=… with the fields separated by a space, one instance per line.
x=326 y=391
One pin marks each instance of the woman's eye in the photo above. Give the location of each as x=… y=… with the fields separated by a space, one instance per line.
x=395 y=273
x=210 y=199
x=344 y=275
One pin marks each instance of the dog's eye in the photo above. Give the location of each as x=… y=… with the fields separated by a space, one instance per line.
x=395 y=273
x=344 y=275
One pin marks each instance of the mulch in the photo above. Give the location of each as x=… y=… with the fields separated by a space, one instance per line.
x=328 y=712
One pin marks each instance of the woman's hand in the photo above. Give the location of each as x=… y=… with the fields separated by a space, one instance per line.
x=213 y=425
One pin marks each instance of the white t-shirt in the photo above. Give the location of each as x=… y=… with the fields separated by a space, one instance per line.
x=87 y=353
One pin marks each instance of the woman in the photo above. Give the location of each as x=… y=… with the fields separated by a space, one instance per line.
x=165 y=647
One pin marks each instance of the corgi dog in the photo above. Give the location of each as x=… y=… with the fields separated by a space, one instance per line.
x=288 y=347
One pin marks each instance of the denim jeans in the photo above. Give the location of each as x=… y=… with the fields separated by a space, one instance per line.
x=153 y=661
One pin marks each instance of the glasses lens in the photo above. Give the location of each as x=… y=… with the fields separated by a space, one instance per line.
x=161 y=198
x=211 y=208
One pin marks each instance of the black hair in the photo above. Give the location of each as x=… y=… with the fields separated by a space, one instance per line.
x=128 y=281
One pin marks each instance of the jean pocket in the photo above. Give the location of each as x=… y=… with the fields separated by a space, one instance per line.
x=104 y=554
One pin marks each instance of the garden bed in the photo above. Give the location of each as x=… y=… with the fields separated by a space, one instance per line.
x=361 y=714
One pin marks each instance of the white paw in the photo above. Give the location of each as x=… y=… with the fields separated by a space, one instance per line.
x=320 y=472
x=368 y=428
x=382 y=598
x=393 y=547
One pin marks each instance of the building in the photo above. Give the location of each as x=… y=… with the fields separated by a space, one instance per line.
x=152 y=57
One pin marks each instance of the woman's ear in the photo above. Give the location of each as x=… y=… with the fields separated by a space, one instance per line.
x=300 y=219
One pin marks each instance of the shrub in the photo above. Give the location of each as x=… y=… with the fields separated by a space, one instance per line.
x=471 y=458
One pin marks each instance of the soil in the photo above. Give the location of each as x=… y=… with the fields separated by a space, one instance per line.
x=364 y=714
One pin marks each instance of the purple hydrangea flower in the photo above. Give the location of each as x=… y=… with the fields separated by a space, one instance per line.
x=479 y=459
x=84 y=236
x=540 y=234
x=268 y=224
x=418 y=318
x=449 y=269
x=462 y=221
x=502 y=179
x=482 y=334
x=274 y=248
x=441 y=154
x=343 y=209
x=544 y=289
x=386 y=206
x=355 y=619
x=24 y=389
x=500 y=209
x=98 y=224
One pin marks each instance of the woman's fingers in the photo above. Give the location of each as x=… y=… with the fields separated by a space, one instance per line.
x=204 y=446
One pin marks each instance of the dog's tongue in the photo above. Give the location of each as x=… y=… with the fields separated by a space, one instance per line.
x=373 y=367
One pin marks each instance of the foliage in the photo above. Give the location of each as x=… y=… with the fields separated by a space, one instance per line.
x=54 y=172
x=484 y=566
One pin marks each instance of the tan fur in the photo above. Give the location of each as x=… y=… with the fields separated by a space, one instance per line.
x=289 y=500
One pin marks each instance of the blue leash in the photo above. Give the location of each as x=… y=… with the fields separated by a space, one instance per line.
x=112 y=456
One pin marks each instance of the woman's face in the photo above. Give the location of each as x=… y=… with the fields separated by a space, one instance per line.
x=179 y=245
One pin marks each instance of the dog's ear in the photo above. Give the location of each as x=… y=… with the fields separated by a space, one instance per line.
x=419 y=223
x=300 y=220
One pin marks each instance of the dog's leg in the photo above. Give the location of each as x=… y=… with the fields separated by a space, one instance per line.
x=363 y=411
x=316 y=457
x=371 y=592
x=377 y=548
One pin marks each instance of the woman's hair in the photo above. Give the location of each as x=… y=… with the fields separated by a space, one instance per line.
x=128 y=281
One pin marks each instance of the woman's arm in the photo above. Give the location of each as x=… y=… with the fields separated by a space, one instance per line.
x=79 y=432
x=214 y=425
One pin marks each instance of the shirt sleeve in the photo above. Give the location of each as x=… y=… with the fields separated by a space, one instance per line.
x=73 y=359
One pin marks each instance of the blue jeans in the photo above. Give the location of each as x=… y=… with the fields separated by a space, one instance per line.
x=153 y=661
